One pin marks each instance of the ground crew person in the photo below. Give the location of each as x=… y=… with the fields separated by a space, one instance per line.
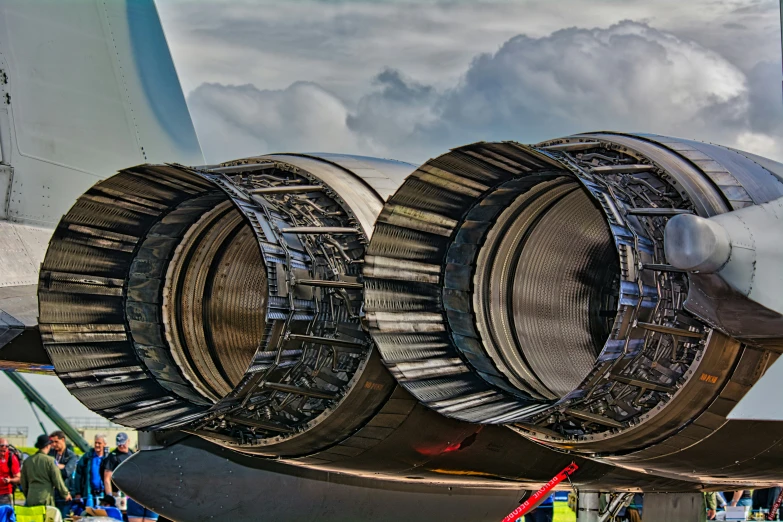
x=40 y=477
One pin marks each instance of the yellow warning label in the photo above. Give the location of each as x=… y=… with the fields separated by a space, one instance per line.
x=706 y=377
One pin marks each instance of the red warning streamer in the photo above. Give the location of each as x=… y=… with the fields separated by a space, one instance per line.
x=772 y=515
x=537 y=497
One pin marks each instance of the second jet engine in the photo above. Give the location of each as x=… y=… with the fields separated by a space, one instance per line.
x=529 y=286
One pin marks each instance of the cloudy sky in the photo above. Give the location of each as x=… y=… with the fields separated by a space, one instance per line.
x=410 y=80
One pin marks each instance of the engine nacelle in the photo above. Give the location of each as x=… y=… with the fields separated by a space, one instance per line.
x=536 y=292
x=273 y=304
x=225 y=301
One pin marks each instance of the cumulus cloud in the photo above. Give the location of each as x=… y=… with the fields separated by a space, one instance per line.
x=627 y=77
x=272 y=44
x=236 y=121
x=766 y=109
x=386 y=118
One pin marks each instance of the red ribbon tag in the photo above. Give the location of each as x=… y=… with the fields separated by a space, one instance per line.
x=539 y=496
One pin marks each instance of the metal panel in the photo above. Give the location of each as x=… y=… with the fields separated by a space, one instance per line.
x=383 y=175
x=362 y=200
x=756 y=183
x=22 y=249
x=6 y=176
x=734 y=260
x=97 y=94
x=195 y=481
x=774 y=167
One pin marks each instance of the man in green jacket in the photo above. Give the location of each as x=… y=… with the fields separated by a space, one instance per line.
x=40 y=476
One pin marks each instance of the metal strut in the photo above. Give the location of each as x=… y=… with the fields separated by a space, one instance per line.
x=314 y=342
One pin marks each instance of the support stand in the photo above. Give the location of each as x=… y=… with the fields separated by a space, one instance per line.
x=666 y=507
x=587 y=507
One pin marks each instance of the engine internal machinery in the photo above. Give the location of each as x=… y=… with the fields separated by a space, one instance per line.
x=273 y=304
x=222 y=301
x=534 y=290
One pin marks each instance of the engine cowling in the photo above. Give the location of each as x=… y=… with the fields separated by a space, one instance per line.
x=521 y=286
x=536 y=292
x=224 y=301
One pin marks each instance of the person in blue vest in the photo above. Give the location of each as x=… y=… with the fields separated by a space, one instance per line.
x=88 y=480
x=545 y=511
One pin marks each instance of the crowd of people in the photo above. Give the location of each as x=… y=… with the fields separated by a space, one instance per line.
x=56 y=476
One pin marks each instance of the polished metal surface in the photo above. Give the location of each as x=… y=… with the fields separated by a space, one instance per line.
x=99 y=290
x=295 y=384
x=418 y=278
x=215 y=286
x=700 y=391
x=233 y=301
x=383 y=175
x=734 y=260
x=530 y=286
x=548 y=316
x=503 y=301
x=696 y=244
x=524 y=286
x=198 y=482
x=563 y=281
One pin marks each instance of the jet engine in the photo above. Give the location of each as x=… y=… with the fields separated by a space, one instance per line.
x=226 y=301
x=272 y=304
x=531 y=287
